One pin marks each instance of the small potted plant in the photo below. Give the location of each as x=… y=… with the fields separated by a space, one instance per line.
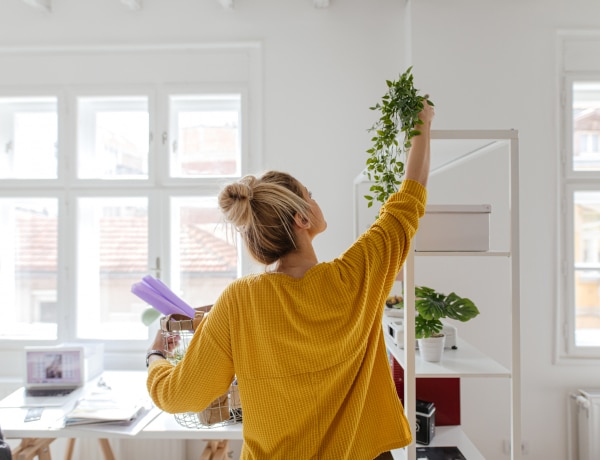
x=431 y=307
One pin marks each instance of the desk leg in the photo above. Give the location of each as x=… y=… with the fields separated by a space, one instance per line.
x=107 y=452
x=44 y=450
x=32 y=447
x=106 y=449
x=215 y=450
x=70 y=447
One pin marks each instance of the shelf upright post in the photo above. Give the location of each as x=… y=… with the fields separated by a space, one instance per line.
x=410 y=380
x=516 y=440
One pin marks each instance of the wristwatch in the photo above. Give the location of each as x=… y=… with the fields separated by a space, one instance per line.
x=154 y=352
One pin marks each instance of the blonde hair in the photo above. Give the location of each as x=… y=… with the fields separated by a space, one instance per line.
x=263 y=209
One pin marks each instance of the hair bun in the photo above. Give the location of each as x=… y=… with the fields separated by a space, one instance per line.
x=235 y=200
x=240 y=191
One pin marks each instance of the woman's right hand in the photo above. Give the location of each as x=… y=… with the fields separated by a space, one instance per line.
x=417 y=162
x=427 y=113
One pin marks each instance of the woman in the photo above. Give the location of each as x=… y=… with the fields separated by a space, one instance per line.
x=304 y=339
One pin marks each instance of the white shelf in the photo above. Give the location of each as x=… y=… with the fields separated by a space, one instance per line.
x=465 y=361
x=448 y=436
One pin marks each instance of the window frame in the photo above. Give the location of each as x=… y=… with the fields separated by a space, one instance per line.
x=158 y=187
x=571 y=181
x=245 y=79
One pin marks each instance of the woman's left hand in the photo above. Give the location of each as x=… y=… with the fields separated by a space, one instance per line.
x=163 y=343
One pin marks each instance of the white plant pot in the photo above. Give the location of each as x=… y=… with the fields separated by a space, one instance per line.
x=431 y=348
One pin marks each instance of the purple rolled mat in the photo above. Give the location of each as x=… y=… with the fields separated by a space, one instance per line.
x=163 y=290
x=153 y=298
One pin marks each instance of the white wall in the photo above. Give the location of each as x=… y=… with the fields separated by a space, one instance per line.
x=486 y=64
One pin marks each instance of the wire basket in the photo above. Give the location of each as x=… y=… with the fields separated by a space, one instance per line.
x=225 y=410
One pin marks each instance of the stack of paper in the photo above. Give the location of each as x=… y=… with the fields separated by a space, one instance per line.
x=159 y=296
x=104 y=408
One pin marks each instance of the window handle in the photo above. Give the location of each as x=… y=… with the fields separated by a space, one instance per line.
x=156 y=268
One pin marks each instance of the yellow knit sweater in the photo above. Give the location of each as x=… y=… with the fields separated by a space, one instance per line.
x=308 y=353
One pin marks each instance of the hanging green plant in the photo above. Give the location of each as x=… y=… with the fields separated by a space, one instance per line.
x=399 y=109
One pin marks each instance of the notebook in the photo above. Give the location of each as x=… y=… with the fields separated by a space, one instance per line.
x=439 y=453
x=52 y=374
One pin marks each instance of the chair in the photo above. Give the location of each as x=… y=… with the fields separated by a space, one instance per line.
x=5 y=453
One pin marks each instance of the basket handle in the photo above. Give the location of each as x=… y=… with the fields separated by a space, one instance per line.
x=179 y=322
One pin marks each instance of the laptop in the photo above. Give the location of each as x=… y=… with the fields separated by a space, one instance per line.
x=52 y=376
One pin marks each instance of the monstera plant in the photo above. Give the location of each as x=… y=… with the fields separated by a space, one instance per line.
x=432 y=306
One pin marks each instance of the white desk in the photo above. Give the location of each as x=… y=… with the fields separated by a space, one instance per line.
x=166 y=427
x=153 y=424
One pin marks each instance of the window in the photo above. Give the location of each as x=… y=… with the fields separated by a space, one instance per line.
x=581 y=201
x=107 y=224
x=112 y=254
x=204 y=136
x=112 y=137
x=101 y=185
x=582 y=189
x=24 y=156
x=29 y=267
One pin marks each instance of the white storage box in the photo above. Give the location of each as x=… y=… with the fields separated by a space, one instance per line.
x=454 y=228
x=394 y=327
x=450 y=333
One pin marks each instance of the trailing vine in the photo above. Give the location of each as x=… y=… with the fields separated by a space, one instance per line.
x=399 y=117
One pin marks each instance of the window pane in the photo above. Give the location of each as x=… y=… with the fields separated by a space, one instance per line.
x=587 y=268
x=203 y=256
x=28 y=138
x=205 y=135
x=113 y=137
x=586 y=126
x=112 y=254
x=28 y=268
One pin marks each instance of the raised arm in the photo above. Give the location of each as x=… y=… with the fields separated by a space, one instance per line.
x=417 y=163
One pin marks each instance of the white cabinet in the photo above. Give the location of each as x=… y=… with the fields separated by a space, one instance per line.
x=453 y=152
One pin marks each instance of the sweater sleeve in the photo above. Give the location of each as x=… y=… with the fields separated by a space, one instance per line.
x=377 y=256
x=399 y=220
x=204 y=373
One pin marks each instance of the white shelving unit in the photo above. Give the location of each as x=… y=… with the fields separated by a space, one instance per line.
x=466 y=361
